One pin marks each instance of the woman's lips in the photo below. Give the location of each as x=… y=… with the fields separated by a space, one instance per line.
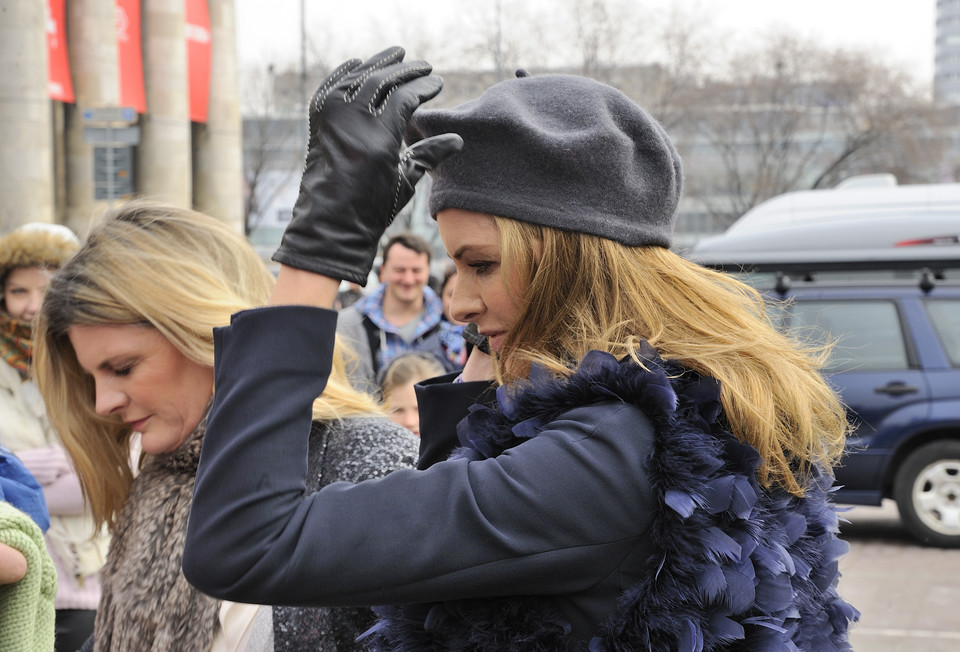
x=495 y=338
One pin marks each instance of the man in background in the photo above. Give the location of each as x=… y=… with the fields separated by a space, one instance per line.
x=402 y=314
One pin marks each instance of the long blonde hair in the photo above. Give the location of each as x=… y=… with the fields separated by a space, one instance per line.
x=583 y=293
x=176 y=270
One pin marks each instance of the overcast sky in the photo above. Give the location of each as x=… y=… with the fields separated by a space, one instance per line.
x=268 y=31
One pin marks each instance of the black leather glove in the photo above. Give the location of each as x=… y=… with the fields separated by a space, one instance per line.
x=355 y=178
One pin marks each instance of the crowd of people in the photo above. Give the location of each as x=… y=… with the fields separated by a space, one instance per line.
x=574 y=439
x=29 y=256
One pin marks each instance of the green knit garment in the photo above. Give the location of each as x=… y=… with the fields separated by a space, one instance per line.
x=27 y=615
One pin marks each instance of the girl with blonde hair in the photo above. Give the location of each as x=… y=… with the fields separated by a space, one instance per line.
x=397 y=381
x=125 y=355
x=654 y=471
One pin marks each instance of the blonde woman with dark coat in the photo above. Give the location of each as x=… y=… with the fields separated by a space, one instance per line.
x=655 y=471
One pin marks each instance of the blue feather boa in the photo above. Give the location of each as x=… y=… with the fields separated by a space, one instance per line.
x=739 y=567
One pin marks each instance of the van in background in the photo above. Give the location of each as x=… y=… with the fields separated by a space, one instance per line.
x=865 y=218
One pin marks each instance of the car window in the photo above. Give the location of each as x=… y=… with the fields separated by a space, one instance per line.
x=945 y=316
x=868 y=334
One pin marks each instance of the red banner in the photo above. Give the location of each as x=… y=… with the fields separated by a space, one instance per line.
x=59 y=86
x=130 y=55
x=198 y=57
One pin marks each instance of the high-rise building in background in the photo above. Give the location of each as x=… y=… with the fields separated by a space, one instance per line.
x=946 y=75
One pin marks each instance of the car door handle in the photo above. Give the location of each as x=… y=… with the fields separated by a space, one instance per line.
x=897 y=389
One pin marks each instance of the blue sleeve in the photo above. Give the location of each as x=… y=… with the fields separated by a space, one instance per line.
x=552 y=514
x=19 y=488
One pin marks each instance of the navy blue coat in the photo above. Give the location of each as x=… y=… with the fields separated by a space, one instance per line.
x=559 y=508
x=444 y=403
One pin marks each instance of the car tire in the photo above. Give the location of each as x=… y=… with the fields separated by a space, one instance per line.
x=927 y=491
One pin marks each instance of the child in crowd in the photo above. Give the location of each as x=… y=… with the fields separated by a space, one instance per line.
x=396 y=387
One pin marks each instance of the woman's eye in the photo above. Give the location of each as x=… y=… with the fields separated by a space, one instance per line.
x=123 y=371
x=481 y=268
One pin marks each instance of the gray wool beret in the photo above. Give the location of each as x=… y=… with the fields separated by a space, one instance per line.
x=562 y=151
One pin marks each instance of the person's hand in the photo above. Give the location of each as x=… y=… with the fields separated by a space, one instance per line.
x=355 y=178
x=13 y=565
x=479 y=366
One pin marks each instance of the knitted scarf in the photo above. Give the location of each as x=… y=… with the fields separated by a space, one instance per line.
x=737 y=567
x=16 y=343
x=146 y=603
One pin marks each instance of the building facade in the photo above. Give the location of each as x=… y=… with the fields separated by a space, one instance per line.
x=104 y=100
x=946 y=75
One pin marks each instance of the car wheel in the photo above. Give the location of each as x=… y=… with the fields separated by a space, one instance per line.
x=927 y=491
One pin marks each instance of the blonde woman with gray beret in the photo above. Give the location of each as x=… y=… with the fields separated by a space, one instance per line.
x=654 y=472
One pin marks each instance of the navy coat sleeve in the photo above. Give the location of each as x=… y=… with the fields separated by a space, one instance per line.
x=549 y=516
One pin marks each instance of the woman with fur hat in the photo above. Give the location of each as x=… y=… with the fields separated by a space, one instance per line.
x=125 y=362
x=655 y=471
x=29 y=256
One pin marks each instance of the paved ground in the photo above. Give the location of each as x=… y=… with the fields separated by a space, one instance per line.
x=909 y=594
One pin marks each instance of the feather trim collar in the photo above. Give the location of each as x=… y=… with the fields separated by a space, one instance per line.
x=739 y=567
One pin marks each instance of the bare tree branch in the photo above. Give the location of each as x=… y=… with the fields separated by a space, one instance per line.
x=795 y=115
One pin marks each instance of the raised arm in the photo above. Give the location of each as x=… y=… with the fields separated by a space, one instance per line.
x=356 y=178
x=456 y=530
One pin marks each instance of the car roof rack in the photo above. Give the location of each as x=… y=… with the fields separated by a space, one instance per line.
x=931 y=262
x=798 y=261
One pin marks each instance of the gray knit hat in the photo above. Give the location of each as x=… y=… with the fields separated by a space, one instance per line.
x=561 y=151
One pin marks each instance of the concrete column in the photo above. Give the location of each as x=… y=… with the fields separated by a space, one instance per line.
x=164 y=161
x=96 y=83
x=218 y=144
x=26 y=147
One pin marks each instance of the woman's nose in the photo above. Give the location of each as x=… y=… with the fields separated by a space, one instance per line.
x=36 y=298
x=109 y=400
x=464 y=305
